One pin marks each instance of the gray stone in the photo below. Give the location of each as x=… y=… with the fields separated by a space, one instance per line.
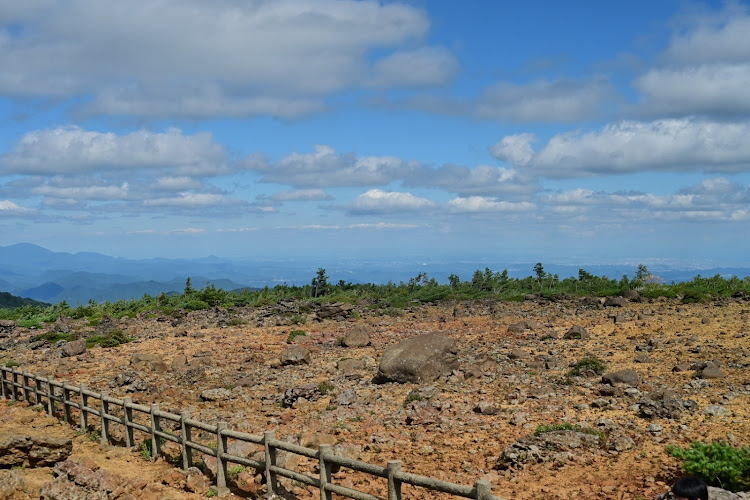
x=420 y=359
x=522 y=326
x=627 y=377
x=358 y=337
x=717 y=411
x=710 y=371
x=218 y=394
x=34 y=451
x=615 y=302
x=74 y=348
x=577 y=332
x=295 y=355
x=152 y=362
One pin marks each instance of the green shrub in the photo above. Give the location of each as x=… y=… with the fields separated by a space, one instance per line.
x=325 y=387
x=413 y=396
x=694 y=297
x=56 y=336
x=718 y=463
x=294 y=334
x=28 y=323
x=12 y=363
x=588 y=363
x=542 y=429
x=111 y=339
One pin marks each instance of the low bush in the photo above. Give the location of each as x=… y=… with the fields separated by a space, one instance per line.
x=111 y=339
x=718 y=463
x=588 y=363
x=294 y=334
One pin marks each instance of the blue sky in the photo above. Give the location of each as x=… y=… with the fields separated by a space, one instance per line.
x=554 y=131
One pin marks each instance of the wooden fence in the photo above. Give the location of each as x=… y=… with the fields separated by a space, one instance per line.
x=17 y=384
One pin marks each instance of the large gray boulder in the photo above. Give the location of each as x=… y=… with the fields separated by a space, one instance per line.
x=295 y=355
x=34 y=451
x=73 y=348
x=420 y=359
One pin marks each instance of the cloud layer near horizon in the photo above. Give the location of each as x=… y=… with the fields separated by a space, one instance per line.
x=150 y=92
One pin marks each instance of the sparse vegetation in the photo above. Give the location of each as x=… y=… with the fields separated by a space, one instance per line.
x=588 y=364
x=542 y=429
x=387 y=299
x=325 y=387
x=112 y=339
x=718 y=463
x=294 y=334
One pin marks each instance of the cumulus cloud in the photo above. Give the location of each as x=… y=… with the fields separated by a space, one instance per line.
x=378 y=201
x=86 y=193
x=324 y=167
x=276 y=58
x=561 y=101
x=10 y=209
x=66 y=150
x=705 y=70
x=424 y=66
x=301 y=195
x=678 y=145
x=475 y=204
x=194 y=200
x=712 y=199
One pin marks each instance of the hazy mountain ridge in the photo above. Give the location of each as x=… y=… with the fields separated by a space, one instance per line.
x=34 y=272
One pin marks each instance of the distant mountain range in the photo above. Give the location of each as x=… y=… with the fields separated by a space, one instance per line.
x=30 y=271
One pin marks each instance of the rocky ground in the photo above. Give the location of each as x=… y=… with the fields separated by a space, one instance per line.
x=675 y=374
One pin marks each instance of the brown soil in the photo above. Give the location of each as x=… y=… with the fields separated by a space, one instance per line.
x=445 y=438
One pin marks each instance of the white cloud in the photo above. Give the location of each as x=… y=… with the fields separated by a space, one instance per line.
x=301 y=195
x=420 y=67
x=8 y=208
x=379 y=201
x=241 y=58
x=177 y=183
x=473 y=204
x=705 y=70
x=193 y=200
x=721 y=37
x=324 y=167
x=87 y=193
x=67 y=150
x=720 y=89
x=712 y=199
x=679 y=145
x=545 y=101
x=516 y=149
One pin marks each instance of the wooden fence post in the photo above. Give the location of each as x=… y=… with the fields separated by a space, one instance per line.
x=127 y=419
x=394 y=485
x=66 y=403
x=187 y=435
x=2 y=383
x=105 y=421
x=483 y=489
x=221 y=462
x=15 y=389
x=84 y=404
x=155 y=441
x=271 y=480
x=26 y=387
x=324 y=451
x=37 y=390
x=50 y=398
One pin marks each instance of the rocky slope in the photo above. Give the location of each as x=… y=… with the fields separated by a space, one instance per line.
x=674 y=374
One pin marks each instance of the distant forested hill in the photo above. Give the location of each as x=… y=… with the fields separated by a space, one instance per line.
x=8 y=301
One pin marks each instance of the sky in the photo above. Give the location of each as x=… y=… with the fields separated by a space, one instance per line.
x=587 y=131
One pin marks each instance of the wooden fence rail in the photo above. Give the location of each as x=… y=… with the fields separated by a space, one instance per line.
x=17 y=384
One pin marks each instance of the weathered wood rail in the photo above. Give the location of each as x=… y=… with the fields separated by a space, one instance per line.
x=20 y=385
